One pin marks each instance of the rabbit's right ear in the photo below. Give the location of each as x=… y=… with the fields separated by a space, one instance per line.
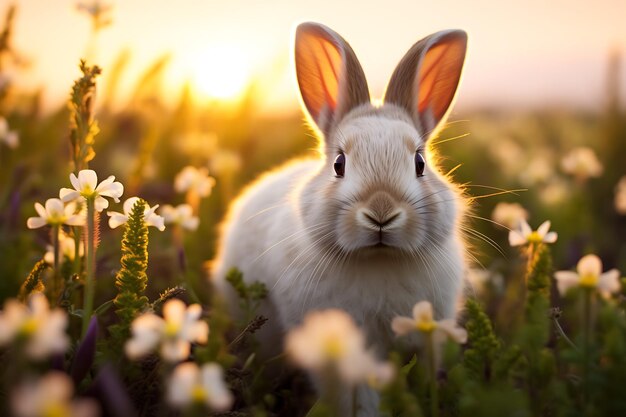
x=330 y=77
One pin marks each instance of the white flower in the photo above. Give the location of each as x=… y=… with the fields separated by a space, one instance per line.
x=554 y=191
x=225 y=162
x=538 y=170
x=509 y=214
x=86 y=185
x=173 y=333
x=582 y=163
x=620 y=196
x=8 y=137
x=149 y=216
x=55 y=213
x=194 y=180
x=330 y=338
x=181 y=215
x=589 y=275
x=67 y=249
x=479 y=279
x=42 y=330
x=423 y=322
x=525 y=234
x=50 y=396
x=191 y=385
x=509 y=155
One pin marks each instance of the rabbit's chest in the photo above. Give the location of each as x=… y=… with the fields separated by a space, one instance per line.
x=373 y=293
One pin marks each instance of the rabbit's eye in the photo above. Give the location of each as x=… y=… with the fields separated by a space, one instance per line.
x=420 y=164
x=340 y=165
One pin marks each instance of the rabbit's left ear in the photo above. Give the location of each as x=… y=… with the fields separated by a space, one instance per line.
x=426 y=79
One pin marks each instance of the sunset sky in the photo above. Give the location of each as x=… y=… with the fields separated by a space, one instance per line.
x=522 y=53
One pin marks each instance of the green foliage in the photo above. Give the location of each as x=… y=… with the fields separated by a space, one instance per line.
x=250 y=295
x=131 y=280
x=33 y=282
x=483 y=347
x=83 y=126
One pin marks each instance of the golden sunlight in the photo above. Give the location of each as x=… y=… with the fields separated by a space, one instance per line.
x=220 y=72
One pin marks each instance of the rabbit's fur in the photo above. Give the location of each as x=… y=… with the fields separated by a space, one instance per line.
x=377 y=240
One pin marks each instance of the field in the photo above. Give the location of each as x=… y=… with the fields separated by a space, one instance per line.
x=95 y=342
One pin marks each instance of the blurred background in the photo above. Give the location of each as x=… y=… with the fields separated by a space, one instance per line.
x=210 y=84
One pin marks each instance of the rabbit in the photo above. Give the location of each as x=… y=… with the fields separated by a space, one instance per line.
x=371 y=226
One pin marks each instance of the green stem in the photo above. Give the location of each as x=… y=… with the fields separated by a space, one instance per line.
x=91 y=264
x=78 y=232
x=432 y=364
x=57 y=273
x=587 y=330
x=355 y=404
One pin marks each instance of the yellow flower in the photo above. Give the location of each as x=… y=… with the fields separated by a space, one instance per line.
x=189 y=385
x=181 y=215
x=589 y=275
x=525 y=235
x=582 y=163
x=172 y=334
x=55 y=213
x=196 y=180
x=41 y=329
x=331 y=339
x=86 y=185
x=509 y=214
x=424 y=322
x=149 y=216
x=50 y=396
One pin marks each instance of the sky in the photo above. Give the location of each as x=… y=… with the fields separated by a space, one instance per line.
x=522 y=54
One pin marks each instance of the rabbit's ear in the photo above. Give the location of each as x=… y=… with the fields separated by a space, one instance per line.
x=330 y=77
x=426 y=79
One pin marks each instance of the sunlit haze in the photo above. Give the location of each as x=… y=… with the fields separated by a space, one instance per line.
x=522 y=53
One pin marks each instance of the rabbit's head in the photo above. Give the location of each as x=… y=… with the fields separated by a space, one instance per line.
x=378 y=189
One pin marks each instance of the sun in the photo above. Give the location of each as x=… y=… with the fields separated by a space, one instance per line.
x=221 y=72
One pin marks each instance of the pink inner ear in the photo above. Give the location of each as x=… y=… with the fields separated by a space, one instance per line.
x=439 y=75
x=319 y=63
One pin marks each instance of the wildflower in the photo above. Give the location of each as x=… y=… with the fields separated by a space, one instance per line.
x=55 y=213
x=330 y=338
x=509 y=214
x=173 y=333
x=538 y=170
x=86 y=185
x=40 y=329
x=67 y=249
x=225 y=162
x=49 y=396
x=181 y=215
x=508 y=154
x=479 y=279
x=554 y=191
x=8 y=137
x=589 y=275
x=195 y=180
x=423 y=322
x=525 y=235
x=620 y=196
x=582 y=163
x=149 y=215
x=191 y=385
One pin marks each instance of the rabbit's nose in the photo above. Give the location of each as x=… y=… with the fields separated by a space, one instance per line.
x=380 y=223
x=381 y=212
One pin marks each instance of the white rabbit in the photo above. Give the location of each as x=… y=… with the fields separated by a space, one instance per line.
x=371 y=226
